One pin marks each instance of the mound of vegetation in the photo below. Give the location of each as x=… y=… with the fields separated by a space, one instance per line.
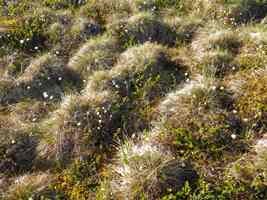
x=133 y=99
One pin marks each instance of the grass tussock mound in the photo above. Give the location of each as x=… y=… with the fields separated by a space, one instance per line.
x=251 y=168
x=212 y=38
x=246 y=11
x=44 y=79
x=142 y=28
x=136 y=68
x=18 y=151
x=133 y=99
x=86 y=127
x=145 y=170
x=97 y=54
x=29 y=185
x=253 y=52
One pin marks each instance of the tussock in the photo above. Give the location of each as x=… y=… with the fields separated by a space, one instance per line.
x=81 y=123
x=211 y=38
x=169 y=103
x=43 y=79
x=146 y=169
x=134 y=68
x=218 y=64
x=142 y=28
x=251 y=166
x=97 y=54
x=29 y=185
x=18 y=151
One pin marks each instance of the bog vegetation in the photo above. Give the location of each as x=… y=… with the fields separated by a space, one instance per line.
x=133 y=100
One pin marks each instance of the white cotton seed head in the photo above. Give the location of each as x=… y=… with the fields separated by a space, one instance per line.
x=45 y=95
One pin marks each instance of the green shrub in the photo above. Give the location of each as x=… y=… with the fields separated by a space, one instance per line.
x=250 y=171
x=252 y=101
x=253 y=52
x=84 y=28
x=79 y=181
x=17 y=8
x=221 y=191
x=55 y=32
x=198 y=124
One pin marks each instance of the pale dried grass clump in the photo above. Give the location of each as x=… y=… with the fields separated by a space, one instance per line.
x=97 y=54
x=147 y=169
x=261 y=158
x=203 y=8
x=213 y=37
x=29 y=111
x=253 y=53
x=148 y=56
x=196 y=104
x=28 y=186
x=37 y=67
x=81 y=125
x=255 y=34
x=43 y=79
x=264 y=20
x=167 y=106
x=97 y=82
